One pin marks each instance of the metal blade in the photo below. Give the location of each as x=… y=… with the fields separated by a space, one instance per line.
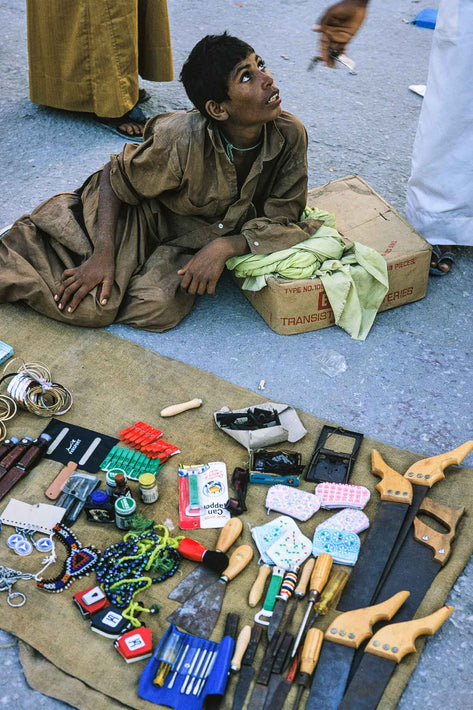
x=273 y=686
x=199 y=614
x=197 y=580
x=330 y=678
x=243 y=685
x=277 y=699
x=414 y=569
x=368 y=684
x=258 y=697
x=276 y=617
x=374 y=556
x=418 y=495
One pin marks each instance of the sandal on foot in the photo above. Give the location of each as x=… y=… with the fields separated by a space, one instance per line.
x=136 y=115
x=439 y=257
x=143 y=96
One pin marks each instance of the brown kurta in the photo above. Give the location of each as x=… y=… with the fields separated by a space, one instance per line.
x=85 y=55
x=179 y=192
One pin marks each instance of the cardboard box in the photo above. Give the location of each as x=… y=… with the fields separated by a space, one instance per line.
x=363 y=216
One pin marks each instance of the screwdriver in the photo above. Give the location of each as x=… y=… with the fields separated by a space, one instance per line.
x=318 y=579
x=309 y=658
x=299 y=592
x=332 y=592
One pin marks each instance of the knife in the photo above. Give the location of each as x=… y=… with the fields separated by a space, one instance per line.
x=247 y=670
x=263 y=615
x=342 y=638
x=386 y=649
x=287 y=589
x=299 y=592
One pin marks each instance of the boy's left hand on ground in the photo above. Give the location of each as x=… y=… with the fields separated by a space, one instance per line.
x=201 y=274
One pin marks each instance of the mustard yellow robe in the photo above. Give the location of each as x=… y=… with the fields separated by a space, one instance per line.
x=86 y=55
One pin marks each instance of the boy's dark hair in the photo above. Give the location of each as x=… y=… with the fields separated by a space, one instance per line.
x=207 y=69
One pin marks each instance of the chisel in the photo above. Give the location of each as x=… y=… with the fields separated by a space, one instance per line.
x=309 y=658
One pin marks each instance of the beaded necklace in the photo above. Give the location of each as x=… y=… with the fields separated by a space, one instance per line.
x=126 y=568
x=229 y=147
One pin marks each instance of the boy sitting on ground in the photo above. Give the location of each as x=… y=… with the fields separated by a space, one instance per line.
x=153 y=229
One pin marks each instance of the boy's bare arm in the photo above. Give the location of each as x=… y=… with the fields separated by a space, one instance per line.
x=99 y=269
x=338 y=25
x=201 y=274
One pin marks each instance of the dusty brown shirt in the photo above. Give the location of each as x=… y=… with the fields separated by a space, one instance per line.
x=183 y=177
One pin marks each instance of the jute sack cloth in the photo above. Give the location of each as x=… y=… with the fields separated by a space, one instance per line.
x=116 y=383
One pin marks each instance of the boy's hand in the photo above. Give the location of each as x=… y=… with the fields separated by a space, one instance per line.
x=338 y=25
x=201 y=274
x=78 y=282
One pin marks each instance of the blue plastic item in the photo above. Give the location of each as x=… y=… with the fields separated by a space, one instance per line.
x=201 y=668
x=426 y=18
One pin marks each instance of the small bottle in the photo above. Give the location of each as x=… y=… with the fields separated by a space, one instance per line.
x=110 y=484
x=125 y=509
x=148 y=488
x=122 y=489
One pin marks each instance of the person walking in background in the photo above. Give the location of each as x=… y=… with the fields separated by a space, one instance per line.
x=439 y=200
x=86 y=56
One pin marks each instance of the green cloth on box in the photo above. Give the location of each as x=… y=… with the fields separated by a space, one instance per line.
x=355 y=277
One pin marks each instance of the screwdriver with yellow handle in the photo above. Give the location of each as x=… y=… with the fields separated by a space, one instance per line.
x=310 y=656
x=317 y=582
x=331 y=595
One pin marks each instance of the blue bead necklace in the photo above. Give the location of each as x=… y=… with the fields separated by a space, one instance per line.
x=126 y=568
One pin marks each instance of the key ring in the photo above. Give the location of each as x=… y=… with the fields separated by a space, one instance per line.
x=9 y=577
x=14 y=595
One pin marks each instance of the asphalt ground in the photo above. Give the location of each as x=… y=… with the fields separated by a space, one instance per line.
x=410 y=383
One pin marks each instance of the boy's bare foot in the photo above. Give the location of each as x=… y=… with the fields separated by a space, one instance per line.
x=442 y=260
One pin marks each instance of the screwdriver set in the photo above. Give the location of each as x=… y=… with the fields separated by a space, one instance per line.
x=184 y=669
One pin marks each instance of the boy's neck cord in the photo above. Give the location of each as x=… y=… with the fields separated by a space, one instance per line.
x=229 y=147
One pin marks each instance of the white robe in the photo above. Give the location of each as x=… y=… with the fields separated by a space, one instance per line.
x=440 y=189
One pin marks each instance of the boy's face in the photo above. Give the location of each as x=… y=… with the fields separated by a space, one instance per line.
x=253 y=97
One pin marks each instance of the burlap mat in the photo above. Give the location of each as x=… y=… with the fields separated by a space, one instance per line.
x=116 y=383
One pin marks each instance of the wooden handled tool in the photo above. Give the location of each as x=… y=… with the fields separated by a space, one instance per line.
x=240 y=648
x=309 y=658
x=178 y=408
x=299 y=592
x=426 y=472
x=256 y=591
x=395 y=641
x=229 y=533
x=318 y=580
